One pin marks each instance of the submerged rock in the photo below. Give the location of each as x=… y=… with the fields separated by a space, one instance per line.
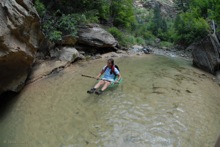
x=20 y=36
x=206 y=54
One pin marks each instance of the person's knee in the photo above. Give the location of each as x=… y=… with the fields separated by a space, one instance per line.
x=101 y=82
x=107 y=83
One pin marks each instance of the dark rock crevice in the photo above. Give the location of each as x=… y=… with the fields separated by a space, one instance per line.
x=15 y=70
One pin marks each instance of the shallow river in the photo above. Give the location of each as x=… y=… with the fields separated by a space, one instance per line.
x=161 y=102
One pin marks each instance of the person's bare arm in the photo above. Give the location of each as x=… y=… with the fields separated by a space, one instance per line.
x=99 y=75
x=119 y=77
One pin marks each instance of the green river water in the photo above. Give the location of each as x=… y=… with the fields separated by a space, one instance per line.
x=162 y=102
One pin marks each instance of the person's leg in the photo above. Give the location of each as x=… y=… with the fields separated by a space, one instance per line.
x=106 y=84
x=100 y=83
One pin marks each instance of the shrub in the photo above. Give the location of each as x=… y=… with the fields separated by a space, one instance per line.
x=150 y=42
x=149 y=38
x=40 y=8
x=55 y=35
x=56 y=26
x=125 y=39
x=190 y=28
x=166 y=44
x=148 y=35
x=67 y=24
x=140 y=41
x=131 y=40
x=117 y=34
x=91 y=16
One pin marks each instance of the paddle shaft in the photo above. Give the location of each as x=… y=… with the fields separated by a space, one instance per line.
x=90 y=77
x=96 y=78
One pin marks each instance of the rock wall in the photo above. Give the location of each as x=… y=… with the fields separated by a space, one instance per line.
x=167 y=7
x=20 y=36
x=206 y=54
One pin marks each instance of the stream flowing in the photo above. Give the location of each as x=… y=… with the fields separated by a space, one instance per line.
x=162 y=102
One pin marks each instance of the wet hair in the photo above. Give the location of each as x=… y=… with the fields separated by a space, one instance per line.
x=111 y=61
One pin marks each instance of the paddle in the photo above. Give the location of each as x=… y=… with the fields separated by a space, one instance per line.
x=90 y=77
x=96 y=78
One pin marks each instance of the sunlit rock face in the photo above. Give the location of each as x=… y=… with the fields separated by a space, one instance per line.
x=20 y=37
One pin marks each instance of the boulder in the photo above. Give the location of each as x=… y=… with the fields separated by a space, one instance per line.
x=205 y=54
x=81 y=57
x=68 y=40
x=69 y=54
x=54 y=53
x=20 y=36
x=137 y=47
x=93 y=35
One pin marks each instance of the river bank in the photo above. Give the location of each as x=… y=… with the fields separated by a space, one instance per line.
x=44 y=68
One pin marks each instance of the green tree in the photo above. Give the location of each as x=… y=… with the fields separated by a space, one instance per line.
x=122 y=13
x=194 y=23
x=60 y=17
x=159 y=25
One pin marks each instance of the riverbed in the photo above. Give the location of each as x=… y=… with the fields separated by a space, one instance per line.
x=162 y=101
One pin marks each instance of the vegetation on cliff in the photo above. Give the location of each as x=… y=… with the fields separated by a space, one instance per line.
x=195 y=19
x=130 y=24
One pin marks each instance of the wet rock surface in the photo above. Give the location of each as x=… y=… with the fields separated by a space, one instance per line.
x=206 y=54
x=20 y=36
x=43 y=69
x=218 y=77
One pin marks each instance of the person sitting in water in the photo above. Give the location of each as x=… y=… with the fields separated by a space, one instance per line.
x=109 y=72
